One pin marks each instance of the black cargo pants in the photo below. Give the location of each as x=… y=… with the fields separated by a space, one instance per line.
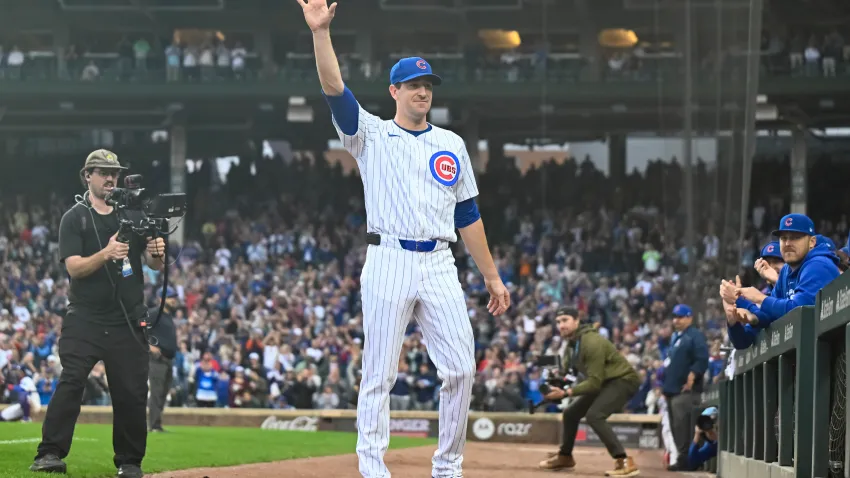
x=81 y=346
x=596 y=408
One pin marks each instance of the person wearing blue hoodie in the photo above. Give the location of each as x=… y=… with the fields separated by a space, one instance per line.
x=809 y=267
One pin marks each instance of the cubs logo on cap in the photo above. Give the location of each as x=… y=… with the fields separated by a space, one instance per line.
x=771 y=249
x=413 y=67
x=445 y=167
x=796 y=223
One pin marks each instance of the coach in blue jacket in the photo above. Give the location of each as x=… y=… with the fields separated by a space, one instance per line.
x=684 y=371
x=809 y=266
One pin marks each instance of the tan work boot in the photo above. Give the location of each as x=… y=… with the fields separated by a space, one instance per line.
x=624 y=467
x=556 y=461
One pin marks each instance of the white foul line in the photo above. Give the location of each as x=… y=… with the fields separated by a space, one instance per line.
x=35 y=440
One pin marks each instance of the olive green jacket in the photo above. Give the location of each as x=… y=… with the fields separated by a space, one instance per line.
x=598 y=360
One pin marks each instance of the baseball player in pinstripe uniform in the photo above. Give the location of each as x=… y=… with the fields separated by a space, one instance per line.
x=419 y=187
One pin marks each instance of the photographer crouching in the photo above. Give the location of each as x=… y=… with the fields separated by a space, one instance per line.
x=105 y=320
x=704 y=445
x=608 y=383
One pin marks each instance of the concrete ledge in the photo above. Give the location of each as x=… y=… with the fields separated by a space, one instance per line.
x=777 y=471
x=734 y=466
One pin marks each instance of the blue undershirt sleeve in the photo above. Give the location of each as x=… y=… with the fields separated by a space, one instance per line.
x=346 y=111
x=466 y=213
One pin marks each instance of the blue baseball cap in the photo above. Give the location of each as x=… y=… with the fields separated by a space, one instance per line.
x=170 y=292
x=410 y=68
x=796 y=223
x=771 y=249
x=682 y=310
x=710 y=412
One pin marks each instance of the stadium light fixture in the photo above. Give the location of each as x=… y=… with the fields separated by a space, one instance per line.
x=500 y=39
x=618 y=38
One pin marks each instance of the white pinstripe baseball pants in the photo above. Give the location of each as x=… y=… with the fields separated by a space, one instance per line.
x=397 y=285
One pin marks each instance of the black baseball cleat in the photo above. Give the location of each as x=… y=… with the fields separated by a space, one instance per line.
x=130 y=471
x=49 y=463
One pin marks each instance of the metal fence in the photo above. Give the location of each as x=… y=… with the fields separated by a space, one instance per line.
x=784 y=412
x=830 y=385
x=766 y=409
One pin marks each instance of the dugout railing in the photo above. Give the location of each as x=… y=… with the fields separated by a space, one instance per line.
x=766 y=410
x=832 y=330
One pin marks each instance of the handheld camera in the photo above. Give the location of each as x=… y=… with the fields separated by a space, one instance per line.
x=553 y=378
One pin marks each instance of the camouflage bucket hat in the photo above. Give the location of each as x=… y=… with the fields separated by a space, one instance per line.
x=102 y=158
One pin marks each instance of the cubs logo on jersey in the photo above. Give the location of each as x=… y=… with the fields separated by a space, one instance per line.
x=445 y=168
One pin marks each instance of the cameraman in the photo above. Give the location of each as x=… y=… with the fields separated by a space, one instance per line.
x=106 y=303
x=704 y=446
x=609 y=382
x=163 y=349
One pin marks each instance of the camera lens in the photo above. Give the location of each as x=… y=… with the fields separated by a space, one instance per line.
x=705 y=423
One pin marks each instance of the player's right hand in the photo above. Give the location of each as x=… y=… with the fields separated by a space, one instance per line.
x=318 y=14
x=114 y=250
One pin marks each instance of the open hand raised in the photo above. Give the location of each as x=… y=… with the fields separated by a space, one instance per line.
x=318 y=14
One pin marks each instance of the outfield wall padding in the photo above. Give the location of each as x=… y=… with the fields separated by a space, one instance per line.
x=635 y=431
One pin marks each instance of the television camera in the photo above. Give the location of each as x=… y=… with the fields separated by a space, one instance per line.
x=156 y=209
x=553 y=378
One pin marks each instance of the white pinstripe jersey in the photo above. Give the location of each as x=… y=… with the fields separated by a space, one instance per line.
x=411 y=183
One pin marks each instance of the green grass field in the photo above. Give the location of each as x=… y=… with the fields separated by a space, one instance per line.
x=181 y=448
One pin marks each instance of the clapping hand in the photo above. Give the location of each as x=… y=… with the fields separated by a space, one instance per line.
x=729 y=291
x=765 y=271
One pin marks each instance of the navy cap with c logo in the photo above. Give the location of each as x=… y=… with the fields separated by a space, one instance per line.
x=411 y=68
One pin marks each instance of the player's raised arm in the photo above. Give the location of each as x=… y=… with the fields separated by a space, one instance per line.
x=351 y=121
x=318 y=15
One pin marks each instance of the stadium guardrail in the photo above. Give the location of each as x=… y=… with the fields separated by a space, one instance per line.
x=832 y=330
x=764 y=431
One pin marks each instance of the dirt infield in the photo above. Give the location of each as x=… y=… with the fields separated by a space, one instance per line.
x=482 y=460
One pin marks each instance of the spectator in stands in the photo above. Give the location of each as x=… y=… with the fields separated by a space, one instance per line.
x=704 y=445
x=400 y=393
x=205 y=382
x=808 y=268
x=684 y=370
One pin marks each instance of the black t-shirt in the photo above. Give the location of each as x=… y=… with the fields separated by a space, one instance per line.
x=93 y=298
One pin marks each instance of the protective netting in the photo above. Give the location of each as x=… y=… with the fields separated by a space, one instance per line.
x=838 y=415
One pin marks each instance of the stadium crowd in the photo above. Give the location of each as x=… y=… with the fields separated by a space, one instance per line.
x=268 y=283
x=207 y=58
